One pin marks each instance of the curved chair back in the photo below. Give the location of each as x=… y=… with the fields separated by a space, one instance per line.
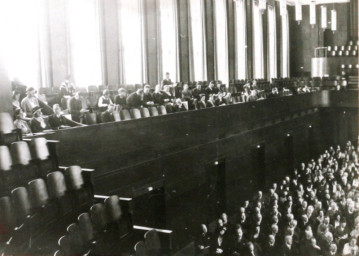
x=116 y=116
x=6 y=123
x=152 y=241
x=7 y=217
x=56 y=184
x=86 y=228
x=20 y=152
x=41 y=150
x=125 y=115
x=5 y=159
x=136 y=114
x=163 y=110
x=21 y=203
x=145 y=112
x=65 y=245
x=113 y=208
x=140 y=249
x=98 y=217
x=38 y=192
x=75 y=238
x=74 y=173
x=154 y=111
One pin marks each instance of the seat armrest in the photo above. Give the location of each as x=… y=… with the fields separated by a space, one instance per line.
x=165 y=235
x=125 y=202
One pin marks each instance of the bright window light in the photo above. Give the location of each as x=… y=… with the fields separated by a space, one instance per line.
x=169 y=45
x=241 y=48
x=198 y=42
x=85 y=42
x=131 y=41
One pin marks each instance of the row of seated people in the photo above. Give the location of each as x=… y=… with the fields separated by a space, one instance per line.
x=174 y=98
x=314 y=212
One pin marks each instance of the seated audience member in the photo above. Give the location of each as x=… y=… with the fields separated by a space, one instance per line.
x=107 y=116
x=219 y=101
x=253 y=96
x=186 y=93
x=75 y=108
x=210 y=102
x=270 y=248
x=247 y=92
x=104 y=100
x=218 y=246
x=120 y=99
x=251 y=250
x=239 y=243
x=38 y=123
x=179 y=106
x=203 y=241
x=59 y=121
x=202 y=102
x=15 y=100
x=21 y=122
x=274 y=93
x=211 y=89
x=30 y=101
x=147 y=96
x=161 y=97
x=196 y=92
x=351 y=248
x=135 y=99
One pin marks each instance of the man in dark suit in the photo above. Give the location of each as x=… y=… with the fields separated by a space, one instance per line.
x=76 y=109
x=120 y=99
x=270 y=248
x=148 y=99
x=286 y=249
x=58 y=121
x=211 y=89
x=107 y=116
x=135 y=99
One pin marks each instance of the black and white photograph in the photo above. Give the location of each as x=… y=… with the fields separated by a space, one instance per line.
x=179 y=128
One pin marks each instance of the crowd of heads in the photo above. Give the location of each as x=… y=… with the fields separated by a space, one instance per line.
x=315 y=211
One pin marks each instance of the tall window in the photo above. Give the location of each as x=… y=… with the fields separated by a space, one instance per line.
x=131 y=41
x=221 y=41
x=258 y=70
x=19 y=31
x=85 y=49
x=285 y=45
x=240 y=32
x=198 y=63
x=272 y=43
x=169 y=45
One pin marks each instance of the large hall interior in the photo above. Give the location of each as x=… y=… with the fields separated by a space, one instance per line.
x=179 y=127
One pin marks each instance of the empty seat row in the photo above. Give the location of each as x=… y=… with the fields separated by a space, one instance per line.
x=24 y=161
x=41 y=209
x=105 y=229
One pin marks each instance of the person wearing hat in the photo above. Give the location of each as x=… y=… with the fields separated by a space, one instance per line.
x=38 y=123
x=30 y=101
x=21 y=123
